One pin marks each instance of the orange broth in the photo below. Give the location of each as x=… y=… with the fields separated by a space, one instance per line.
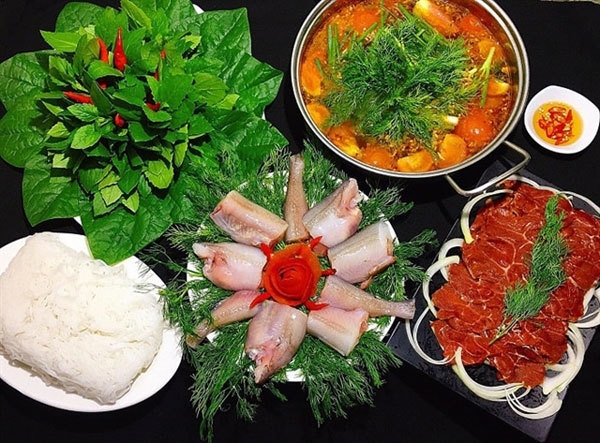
x=473 y=130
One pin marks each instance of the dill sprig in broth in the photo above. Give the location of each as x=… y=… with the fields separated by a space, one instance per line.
x=526 y=299
x=405 y=81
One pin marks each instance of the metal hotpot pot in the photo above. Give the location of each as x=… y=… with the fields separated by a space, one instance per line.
x=500 y=24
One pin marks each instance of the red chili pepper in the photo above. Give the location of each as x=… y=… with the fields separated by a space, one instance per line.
x=154 y=106
x=78 y=97
x=163 y=55
x=569 y=118
x=119 y=121
x=103 y=51
x=103 y=56
x=119 y=59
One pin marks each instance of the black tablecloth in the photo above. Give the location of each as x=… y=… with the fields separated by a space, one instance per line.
x=563 y=44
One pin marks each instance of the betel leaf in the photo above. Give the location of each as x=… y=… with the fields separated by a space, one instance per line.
x=257 y=87
x=114 y=235
x=45 y=198
x=225 y=32
x=250 y=133
x=20 y=76
x=76 y=15
x=19 y=138
x=210 y=89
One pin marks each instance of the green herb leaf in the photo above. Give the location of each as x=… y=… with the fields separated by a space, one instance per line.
x=21 y=77
x=546 y=273
x=84 y=112
x=137 y=14
x=20 y=141
x=61 y=41
x=160 y=173
x=85 y=136
x=46 y=198
x=77 y=15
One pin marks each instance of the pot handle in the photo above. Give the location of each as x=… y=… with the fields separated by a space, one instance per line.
x=495 y=180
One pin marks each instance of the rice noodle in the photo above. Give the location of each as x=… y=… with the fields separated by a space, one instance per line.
x=77 y=323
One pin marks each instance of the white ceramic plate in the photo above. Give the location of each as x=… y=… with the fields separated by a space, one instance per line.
x=163 y=367
x=589 y=114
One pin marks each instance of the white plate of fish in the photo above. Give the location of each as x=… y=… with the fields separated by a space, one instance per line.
x=148 y=364
x=259 y=273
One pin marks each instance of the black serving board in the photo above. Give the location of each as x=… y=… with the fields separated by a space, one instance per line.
x=398 y=342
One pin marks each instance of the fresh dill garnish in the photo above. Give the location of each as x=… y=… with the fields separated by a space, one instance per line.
x=546 y=272
x=405 y=80
x=223 y=373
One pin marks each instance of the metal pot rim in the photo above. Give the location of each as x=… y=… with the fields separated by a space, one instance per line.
x=488 y=7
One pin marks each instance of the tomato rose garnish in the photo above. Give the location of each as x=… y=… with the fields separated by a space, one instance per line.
x=291 y=275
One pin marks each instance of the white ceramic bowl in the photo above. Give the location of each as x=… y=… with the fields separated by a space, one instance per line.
x=588 y=111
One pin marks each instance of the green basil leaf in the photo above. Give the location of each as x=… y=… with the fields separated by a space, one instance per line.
x=138 y=133
x=86 y=52
x=199 y=126
x=160 y=173
x=132 y=202
x=100 y=151
x=60 y=161
x=111 y=194
x=61 y=41
x=99 y=206
x=228 y=102
x=180 y=152
x=84 y=112
x=61 y=70
x=107 y=24
x=159 y=116
x=99 y=69
x=101 y=101
x=91 y=174
x=173 y=89
x=59 y=130
x=208 y=88
x=129 y=180
x=85 y=136
x=109 y=179
x=137 y=14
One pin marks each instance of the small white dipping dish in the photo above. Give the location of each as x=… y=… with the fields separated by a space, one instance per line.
x=589 y=113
